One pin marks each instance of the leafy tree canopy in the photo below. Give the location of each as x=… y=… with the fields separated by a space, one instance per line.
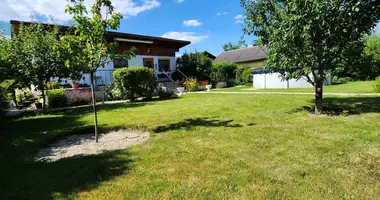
x=32 y=57
x=372 y=47
x=231 y=46
x=197 y=65
x=310 y=36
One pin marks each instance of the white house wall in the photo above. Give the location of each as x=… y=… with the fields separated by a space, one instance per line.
x=138 y=61
x=106 y=73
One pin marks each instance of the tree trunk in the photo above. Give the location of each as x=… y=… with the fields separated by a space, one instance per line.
x=94 y=106
x=43 y=98
x=14 y=96
x=318 y=96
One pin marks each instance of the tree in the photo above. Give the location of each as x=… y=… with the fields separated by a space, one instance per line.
x=372 y=54
x=230 y=46
x=4 y=65
x=258 y=42
x=88 y=49
x=32 y=56
x=3 y=53
x=310 y=38
x=196 y=65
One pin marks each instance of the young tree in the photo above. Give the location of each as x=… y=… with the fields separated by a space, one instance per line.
x=310 y=36
x=33 y=58
x=88 y=48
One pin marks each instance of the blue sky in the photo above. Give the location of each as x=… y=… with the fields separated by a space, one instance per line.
x=207 y=23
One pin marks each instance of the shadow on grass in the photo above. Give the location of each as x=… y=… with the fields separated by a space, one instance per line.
x=63 y=178
x=336 y=106
x=20 y=140
x=188 y=124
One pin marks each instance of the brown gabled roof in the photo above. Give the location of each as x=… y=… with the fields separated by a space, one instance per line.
x=243 y=55
x=111 y=35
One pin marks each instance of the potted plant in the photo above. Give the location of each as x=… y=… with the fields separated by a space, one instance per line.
x=75 y=85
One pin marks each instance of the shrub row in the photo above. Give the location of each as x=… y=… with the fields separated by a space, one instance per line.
x=231 y=74
x=64 y=98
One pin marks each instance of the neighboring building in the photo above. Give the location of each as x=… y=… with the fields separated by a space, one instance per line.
x=210 y=55
x=265 y=80
x=154 y=52
x=252 y=56
x=255 y=57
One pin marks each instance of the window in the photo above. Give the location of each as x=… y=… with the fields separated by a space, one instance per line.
x=120 y=63
x=164 y=65
x=148 y=62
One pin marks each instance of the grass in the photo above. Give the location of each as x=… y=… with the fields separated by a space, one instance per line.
x=213 y=146
x=351 y=87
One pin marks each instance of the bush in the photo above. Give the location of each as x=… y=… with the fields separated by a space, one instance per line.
x=224 y=72
x=203 y=83
x=164 y=93
x=52 y=85
x=247 y=76
x=221 y=85
x=341 y=80
x=376 y=85
x=78 y=97
x=135 y=82
x=191 y=84
x=249 y=84
x=57 y=99
x=240 y=79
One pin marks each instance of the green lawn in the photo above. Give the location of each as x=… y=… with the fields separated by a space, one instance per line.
x=351 y=87
x=213 y=146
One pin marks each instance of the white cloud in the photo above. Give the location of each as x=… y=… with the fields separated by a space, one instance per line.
x=179 y=1
x=23 y=9
x=222 y=13
x=5 y=36
x=239 y=19
x=188 y=36
x=192 y=22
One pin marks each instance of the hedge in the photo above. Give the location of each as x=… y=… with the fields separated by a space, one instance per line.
x=60 y=98
x=135 y=82
x=224 y=72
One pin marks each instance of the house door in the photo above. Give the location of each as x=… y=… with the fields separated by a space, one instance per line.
x=148 y=62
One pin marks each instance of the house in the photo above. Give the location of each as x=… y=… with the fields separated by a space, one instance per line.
x=154 y=52
x=252 y=56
